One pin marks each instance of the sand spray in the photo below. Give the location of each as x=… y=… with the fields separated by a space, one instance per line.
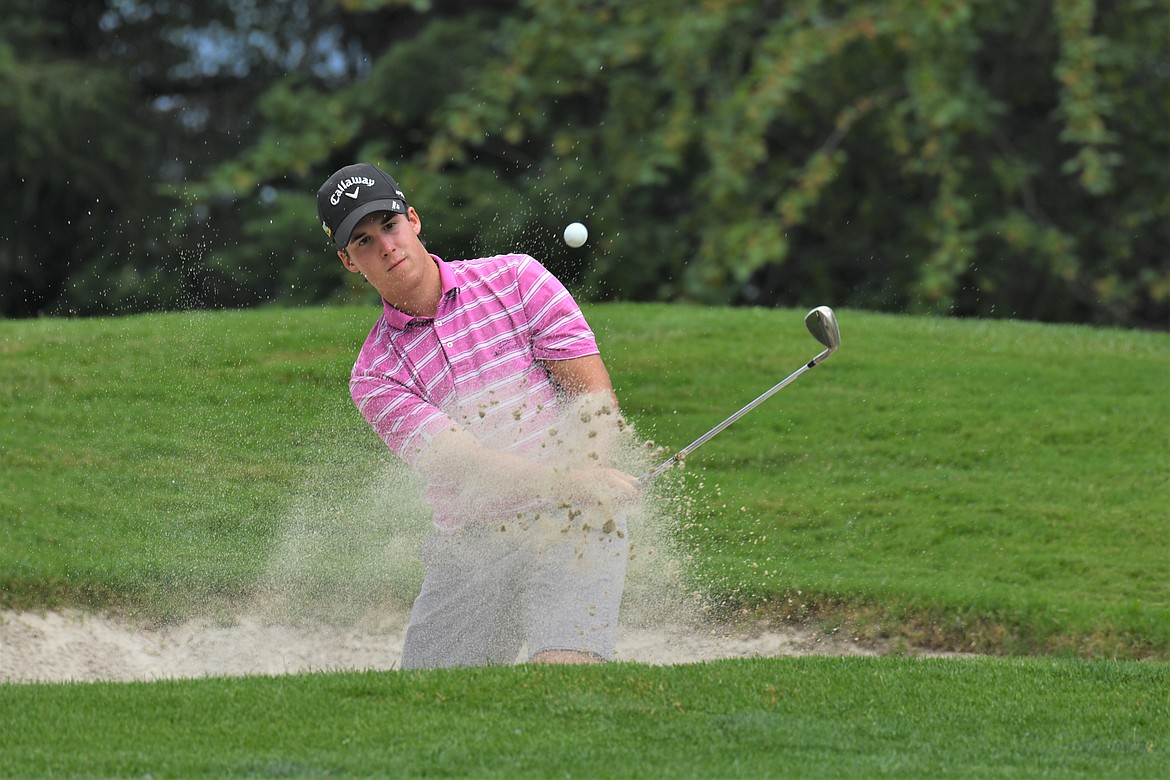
x=347 y=552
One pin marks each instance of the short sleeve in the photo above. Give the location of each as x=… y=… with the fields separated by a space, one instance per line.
x=558 y=328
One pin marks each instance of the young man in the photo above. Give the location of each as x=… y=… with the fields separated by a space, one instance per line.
x=485 y=377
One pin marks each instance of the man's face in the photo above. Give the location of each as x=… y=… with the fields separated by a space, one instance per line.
x=385 y=248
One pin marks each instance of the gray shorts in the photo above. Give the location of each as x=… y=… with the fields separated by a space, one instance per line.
x=490 y=589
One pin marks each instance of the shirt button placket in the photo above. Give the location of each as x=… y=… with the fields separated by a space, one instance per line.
x=444 y=338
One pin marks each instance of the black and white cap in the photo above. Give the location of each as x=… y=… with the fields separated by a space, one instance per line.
x=352 y=193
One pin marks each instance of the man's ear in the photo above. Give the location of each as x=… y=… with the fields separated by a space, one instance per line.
x=347 y=261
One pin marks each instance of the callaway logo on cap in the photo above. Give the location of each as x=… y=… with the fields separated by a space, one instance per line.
x=353 y=192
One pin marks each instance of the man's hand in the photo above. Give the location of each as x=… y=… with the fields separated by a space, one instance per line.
x=602 y=486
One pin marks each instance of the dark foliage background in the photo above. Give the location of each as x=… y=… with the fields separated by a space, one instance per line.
x=993 y=159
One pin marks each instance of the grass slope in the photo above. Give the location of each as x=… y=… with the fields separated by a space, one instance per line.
x=810 y=717
x=995 y=486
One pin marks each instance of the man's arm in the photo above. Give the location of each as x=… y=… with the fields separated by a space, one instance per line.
x=581 y=376
x=491 y=475
x=486 y=478
x=587 y=388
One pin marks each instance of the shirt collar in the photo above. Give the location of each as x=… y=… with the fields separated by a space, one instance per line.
x=448 y=284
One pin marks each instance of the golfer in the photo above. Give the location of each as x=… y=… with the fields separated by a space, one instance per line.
x=474 y=374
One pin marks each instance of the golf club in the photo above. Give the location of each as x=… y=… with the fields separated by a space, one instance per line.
x=822 y=324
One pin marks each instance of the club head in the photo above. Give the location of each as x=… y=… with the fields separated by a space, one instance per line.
x=822 y=324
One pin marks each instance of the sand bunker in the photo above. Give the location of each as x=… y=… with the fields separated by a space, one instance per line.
x=76 y=646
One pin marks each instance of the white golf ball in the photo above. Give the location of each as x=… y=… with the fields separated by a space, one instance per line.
x=576 y=234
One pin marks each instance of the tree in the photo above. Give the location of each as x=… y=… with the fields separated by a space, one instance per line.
x=311 y=129
x=958 y=157
x=990 y=159
x=109 y=108
x=68 y=155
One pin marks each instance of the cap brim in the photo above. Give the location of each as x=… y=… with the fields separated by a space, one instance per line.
x=347 y=225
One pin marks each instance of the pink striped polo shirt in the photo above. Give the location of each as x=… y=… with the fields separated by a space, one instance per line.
x=476 y=364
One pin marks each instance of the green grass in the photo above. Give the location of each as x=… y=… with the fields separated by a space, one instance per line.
x=994 y=486
x=810 y=717
x=991 y=485
x=152 y=455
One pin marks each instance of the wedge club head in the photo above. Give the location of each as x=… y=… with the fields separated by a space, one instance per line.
x=822 y=324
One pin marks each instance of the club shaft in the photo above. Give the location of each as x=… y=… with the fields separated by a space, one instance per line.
x=718 y=428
